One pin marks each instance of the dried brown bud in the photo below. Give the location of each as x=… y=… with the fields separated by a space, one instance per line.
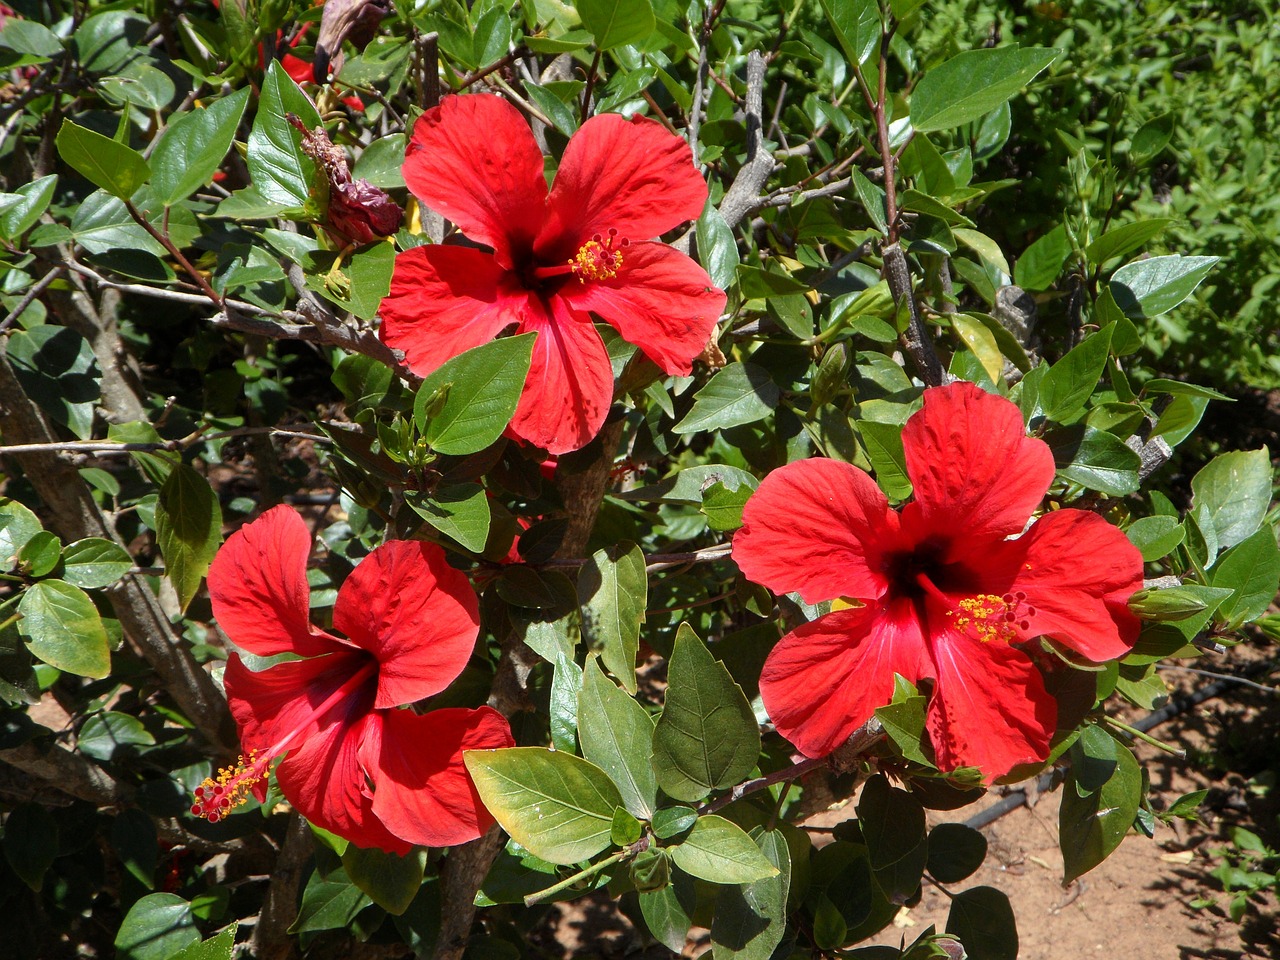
x=354 y=20
x=358 y=211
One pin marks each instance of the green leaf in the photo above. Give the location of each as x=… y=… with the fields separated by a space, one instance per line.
x=955 y=852
x=982 y=919
x=1090 y=827
x=219 y=947
x=32 y=199
x=1071 y=381
x=566 y=681
x=873 y=200
x=707 y=737
x=380 y=162
x=17 y=526
x=40 y=554
x=883 y=442
x=1176 y=388
x=1148 y=288
x=981 y=343
x=156 y=927
x=893 y=828
x=30 y=37
x=972 y=84
x=389 y=880
x=95 y=562
x=281 y=172
x=1235 y=491
x=613 y=590
x=717 y=249
x=553 y=804
x=1041 y=262
x=616 y=734
x=668 y=912
x=615 y=23
x=57 y=368
x=1155 y=537
x=903 y=721
x=689 y=485
x=102 y=161
x=739 y=393
x=856 y=24
x=188 y=530
x=460 y=511
x=328 y=904
x=1126 y=238
x=106 y=733
x=483 y=387
x=721 y=852
x=30 y=843
x=63 y=628
x=626 y=829
x=723 y=507
x=368 y=272
x=193 y=147
x=133 y=837
x=751 y=919
x=1151 y=139
x=1174 y=604
x=1099 y=460
x=672 y=821
x=1252 y=570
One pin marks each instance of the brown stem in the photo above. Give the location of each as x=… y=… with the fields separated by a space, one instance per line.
x=497 y=65
x=793 y=772
x=163 y=239
x=591 y=82
x=915 y=339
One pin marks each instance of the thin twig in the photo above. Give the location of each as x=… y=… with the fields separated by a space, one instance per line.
x=744 y=193
x=1225 y=677
x=29 y=297
x=163 y=239
x=591 y=83
x=793 y=772
x=658 y=561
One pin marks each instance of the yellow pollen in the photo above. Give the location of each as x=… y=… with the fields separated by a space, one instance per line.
x=600 y=258
x=987 y=617
x=217 y=797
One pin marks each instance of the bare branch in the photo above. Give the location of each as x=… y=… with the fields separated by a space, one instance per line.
x=744 y=193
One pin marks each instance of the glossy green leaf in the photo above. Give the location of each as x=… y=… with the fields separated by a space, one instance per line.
x=133 y=838
x=460 y=511
x=483 y=387
x=188 y=530
x=893 y=828
x=1090 y=827
x=282 y=174
x=104 y=162
x=566 y=681
x=95 y=562
x=739 y=393
x=391 y=881
x=40 y=554
x=1041 y=263
x=723 y=507
x=30 y=843
x=1234 y=490
x=972 y=84
x=1099 y=460
x=31 y=37
x=220 y=947
x=1071 y=381
x=689 y=485
x=614 y=23
x=63 y=628
x=1251 y=569
x=29 y=201
x=672 y=821
x=750 y=919
x=721 y=852
x=156 y=927
x=555 y=805
x=106 y=733
x=1151 y=287
x=193 y=147
x=368 y=278
x=1126 y=238
x=17 y=525
x=1155 y=537
x=717 y=248
x=668 y=912
x=328 y=904
x=1151 y=139
x=616 y=734
x=883 y=442
x=856 y=24
x=59 y=372
x=707 y=737
x=982 y=919
x=613 y=590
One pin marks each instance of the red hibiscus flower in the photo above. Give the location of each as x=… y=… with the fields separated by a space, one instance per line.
x=355 y=765
x=947 y=598
x=554 y=259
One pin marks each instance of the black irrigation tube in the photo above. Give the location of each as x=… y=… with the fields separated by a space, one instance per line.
x=1170 y=710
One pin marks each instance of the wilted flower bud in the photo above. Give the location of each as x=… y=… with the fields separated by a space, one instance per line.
x=358 y=212
x=354 y=20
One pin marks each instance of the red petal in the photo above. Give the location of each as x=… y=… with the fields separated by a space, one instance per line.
x=326 y=782
x=629 y=175
x=258 y=585
x=415 y=613
x=818 y=527
x=989 y=708
x=474 y=160
x=278 y=704
x=422 y=791
x=570 y=383
x=826 y=679
x=445 y=300
x=1078 y=572
x=976 y=473
x=660 y=300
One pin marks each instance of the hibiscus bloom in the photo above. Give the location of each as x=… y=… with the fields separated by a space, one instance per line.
x=948 y=596
x=553 y=259
x=355 y=765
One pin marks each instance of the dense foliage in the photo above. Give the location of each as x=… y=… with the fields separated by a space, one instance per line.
x=738 y=407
